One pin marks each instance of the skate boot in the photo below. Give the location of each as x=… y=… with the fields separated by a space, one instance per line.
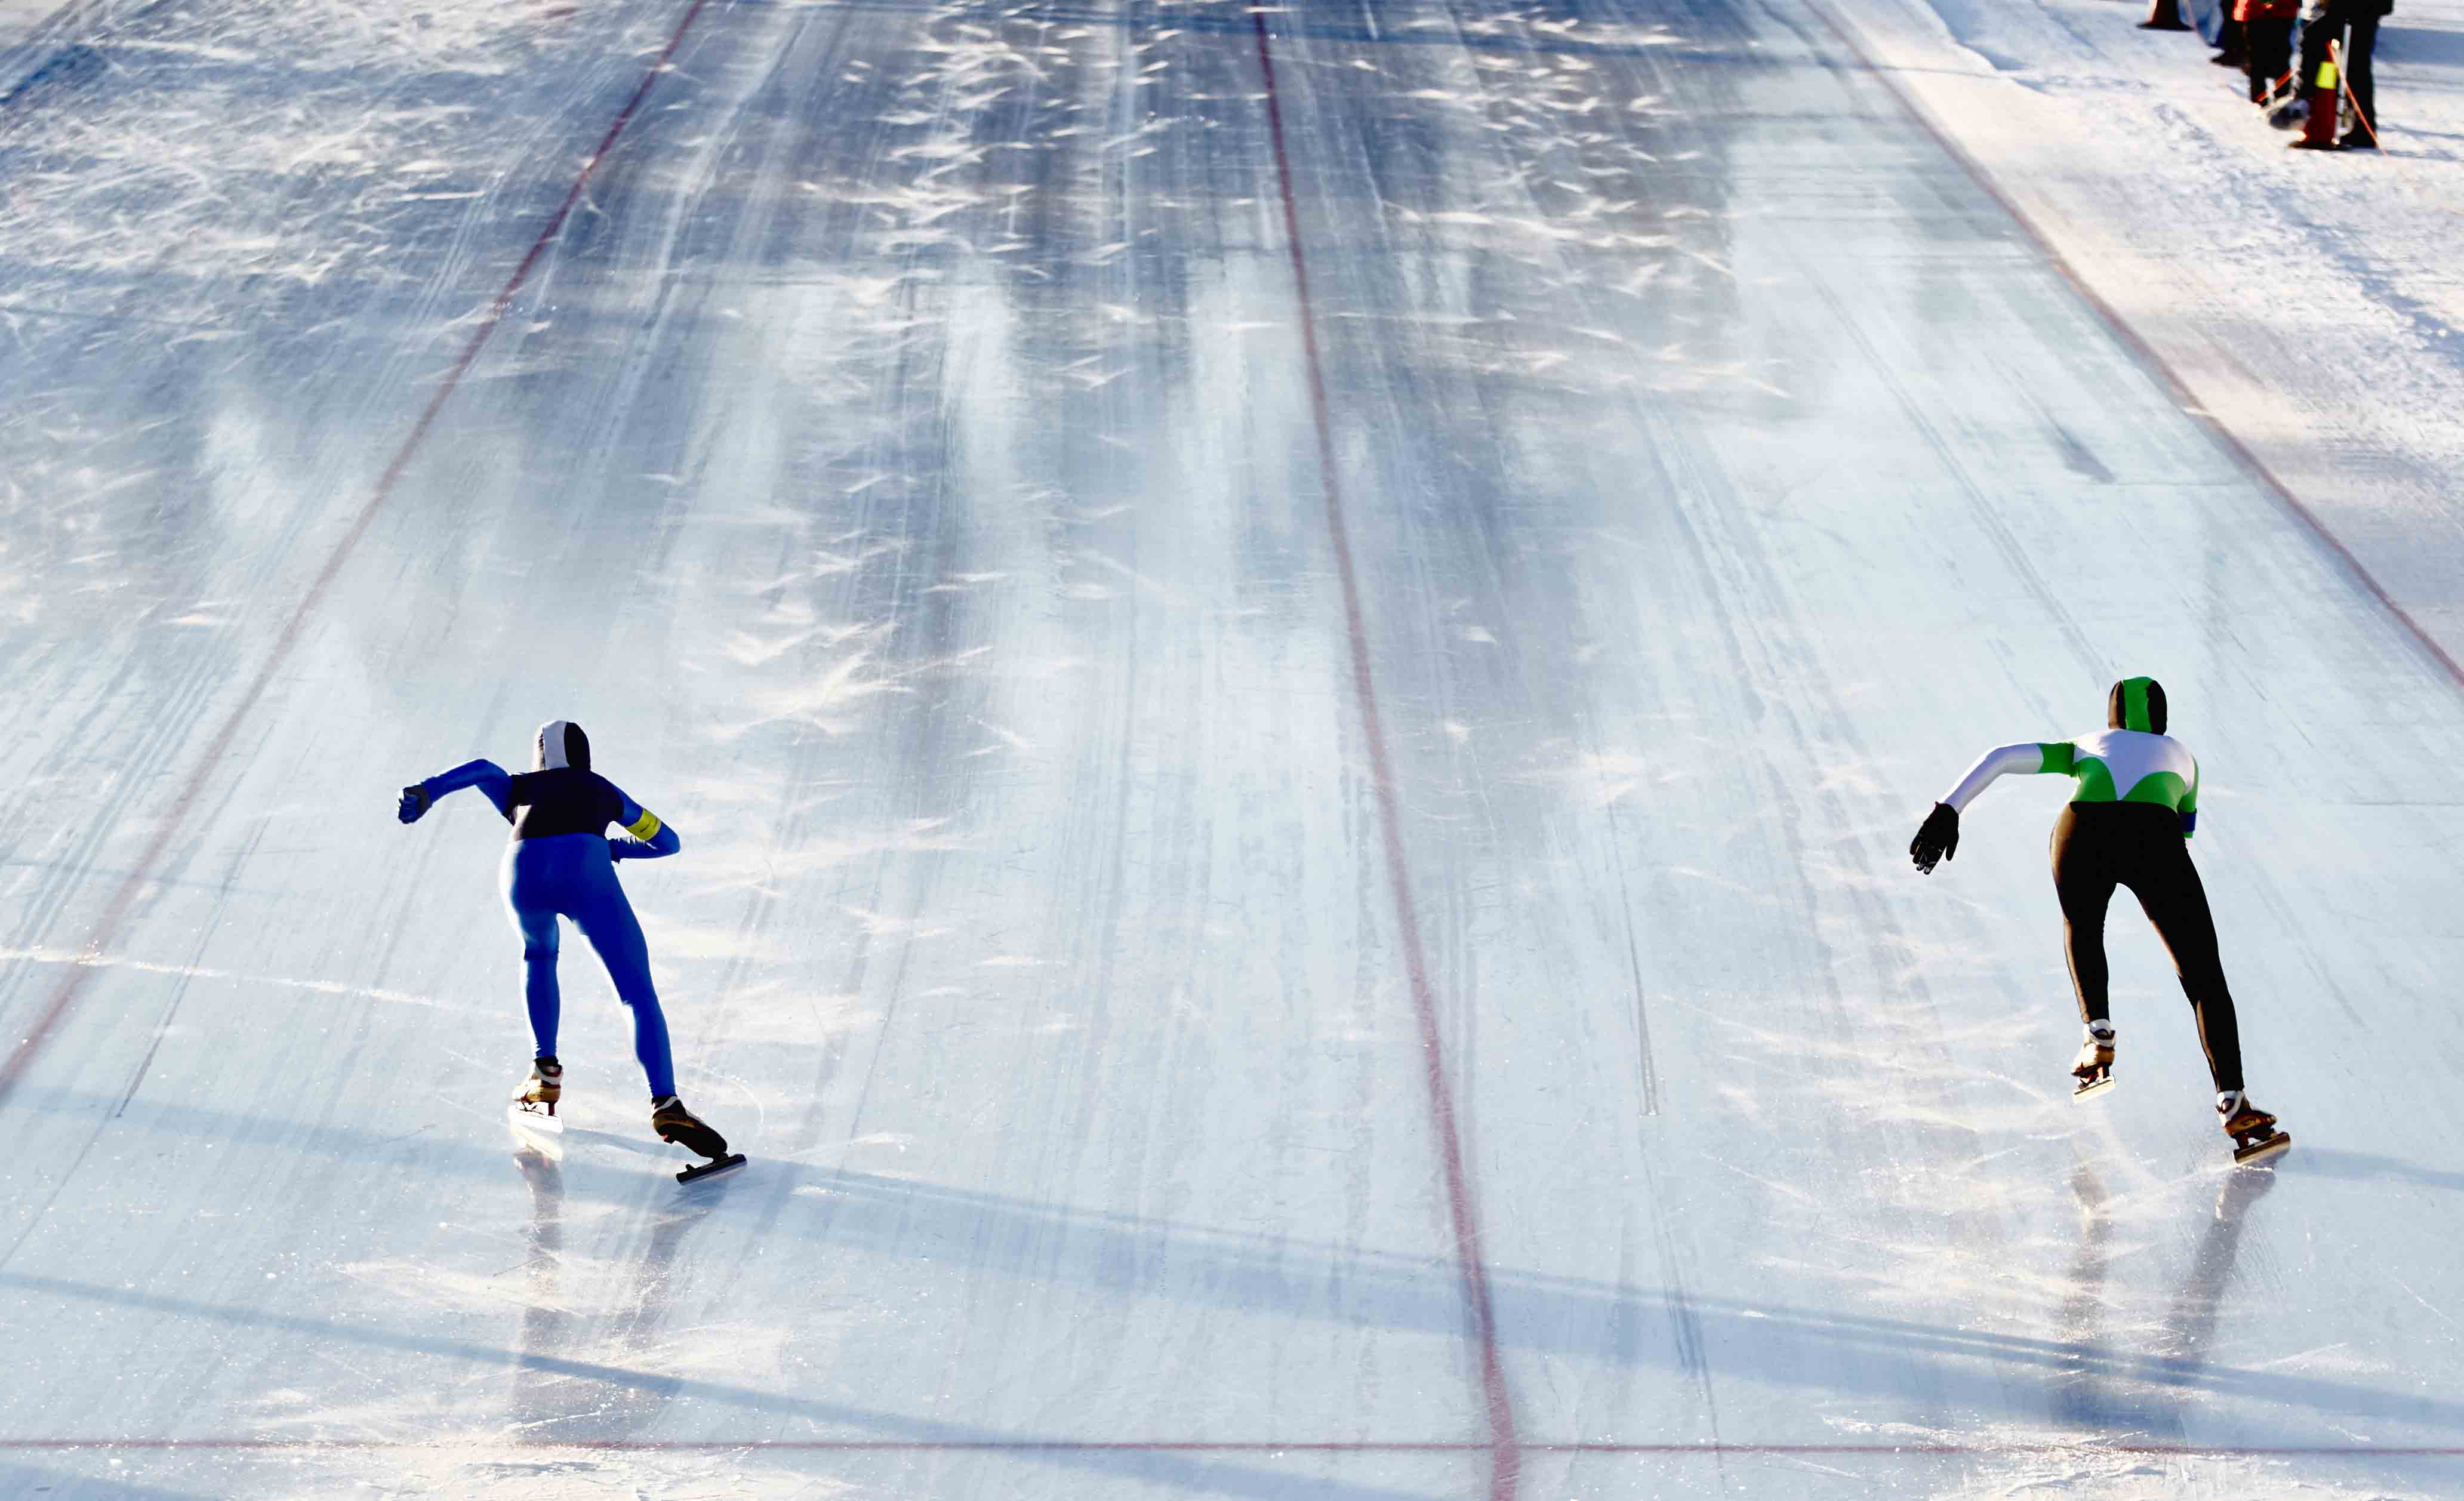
x=674 y=1123
x=2252 y=1130
x=2094 y=1070
x=543 y=1089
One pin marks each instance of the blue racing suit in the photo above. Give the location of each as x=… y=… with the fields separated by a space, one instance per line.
x=561 y=863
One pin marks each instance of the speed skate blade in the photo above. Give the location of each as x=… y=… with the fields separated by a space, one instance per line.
x=711 y=1168
x=536 y=1128
x=2261 y=1151
x=2093 y=1087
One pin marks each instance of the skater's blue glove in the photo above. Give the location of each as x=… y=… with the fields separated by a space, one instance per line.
x=1937 y=840
x=415 y=801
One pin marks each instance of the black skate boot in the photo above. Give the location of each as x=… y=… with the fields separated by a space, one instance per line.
x=2252 y=1130
x=2094 y=1070
x=543 y=1089
x=674 y=1123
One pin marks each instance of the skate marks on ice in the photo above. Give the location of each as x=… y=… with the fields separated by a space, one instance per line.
x=2148 y=1324
x=2100 y=1368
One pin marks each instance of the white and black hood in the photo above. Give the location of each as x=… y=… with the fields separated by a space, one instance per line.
x=561 y=743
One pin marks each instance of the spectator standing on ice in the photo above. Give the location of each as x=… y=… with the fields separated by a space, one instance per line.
x=2128 y=824
x=562 y=863
x=2230 y=50
x=2267 y=25
x=2352 y=27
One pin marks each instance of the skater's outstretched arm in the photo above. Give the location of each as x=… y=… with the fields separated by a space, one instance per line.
x=2023 y=760
x=485 y=775
x=2190 y=804
x=1938 y=839
x=651 y=840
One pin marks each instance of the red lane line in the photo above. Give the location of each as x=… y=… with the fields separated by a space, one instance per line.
x=2088 y=1444
x=1506 y=1461
x=141 y=873
x=2141 y=349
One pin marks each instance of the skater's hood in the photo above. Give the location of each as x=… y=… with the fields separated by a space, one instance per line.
x=561 y=743
x=2136 y=703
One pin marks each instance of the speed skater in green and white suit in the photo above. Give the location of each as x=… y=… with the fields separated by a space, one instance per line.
x=2129 y=822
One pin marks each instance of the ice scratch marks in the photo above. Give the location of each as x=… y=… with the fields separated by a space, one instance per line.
x=1592 y=779
x=771 y=872
x=270 y=144
x=826 y=700
x=246 y=980
x=512 y=1464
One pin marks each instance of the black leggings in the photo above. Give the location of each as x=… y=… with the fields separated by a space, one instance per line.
x=2099 y=846
x=2357 y=70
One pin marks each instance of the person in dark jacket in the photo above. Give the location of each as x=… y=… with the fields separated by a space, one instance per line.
x=2267 y=30
x=2352 y=28
x=2362 y=19
x=2232 y=49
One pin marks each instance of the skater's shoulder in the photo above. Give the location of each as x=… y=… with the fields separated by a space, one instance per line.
x=530 y=786
x=2099 y=741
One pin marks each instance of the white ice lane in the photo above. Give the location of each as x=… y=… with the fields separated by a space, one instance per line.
x=905 y=462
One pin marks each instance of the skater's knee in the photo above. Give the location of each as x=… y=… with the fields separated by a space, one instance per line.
x=538 y=953
x=2206 y=987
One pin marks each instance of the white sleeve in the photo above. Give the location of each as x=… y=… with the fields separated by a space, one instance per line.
x=2002 y=760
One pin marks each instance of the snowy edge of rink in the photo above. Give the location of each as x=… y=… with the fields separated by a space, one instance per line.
x=2308 y=302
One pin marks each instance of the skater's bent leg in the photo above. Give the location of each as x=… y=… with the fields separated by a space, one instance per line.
x=608 y=921
x=2083 y=882
x=651 y=1047
x=539 y=976
x=2177 y=904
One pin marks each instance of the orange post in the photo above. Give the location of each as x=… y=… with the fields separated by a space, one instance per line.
x=2319 y=130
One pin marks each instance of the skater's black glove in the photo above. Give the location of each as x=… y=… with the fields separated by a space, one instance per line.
x=415 y=801
x=1937 y=840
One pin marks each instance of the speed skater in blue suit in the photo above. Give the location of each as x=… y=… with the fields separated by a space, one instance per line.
x=561 y=863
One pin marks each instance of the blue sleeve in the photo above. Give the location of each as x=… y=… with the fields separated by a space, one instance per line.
x=485 y=775
x=650 y=838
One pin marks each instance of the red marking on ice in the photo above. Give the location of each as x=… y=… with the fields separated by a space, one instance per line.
x=173 y=821
x=1505 y=1453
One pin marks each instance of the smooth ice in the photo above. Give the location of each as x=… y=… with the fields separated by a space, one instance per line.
x=903 y=455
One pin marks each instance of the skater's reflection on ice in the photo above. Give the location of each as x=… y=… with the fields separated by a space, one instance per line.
x=2192 y=1322
x=547 y=1322
x=587 y=1375
x=2079 y=1395
x=2106 y=1389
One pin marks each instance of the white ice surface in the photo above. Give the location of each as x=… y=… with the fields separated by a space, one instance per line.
x=904 y=464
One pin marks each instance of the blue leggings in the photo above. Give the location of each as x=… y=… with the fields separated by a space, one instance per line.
x=571 y=876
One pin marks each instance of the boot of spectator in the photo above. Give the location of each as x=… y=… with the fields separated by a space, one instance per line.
x=2231 y=51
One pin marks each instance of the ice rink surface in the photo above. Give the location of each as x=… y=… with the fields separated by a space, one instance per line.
x=1295 y=649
